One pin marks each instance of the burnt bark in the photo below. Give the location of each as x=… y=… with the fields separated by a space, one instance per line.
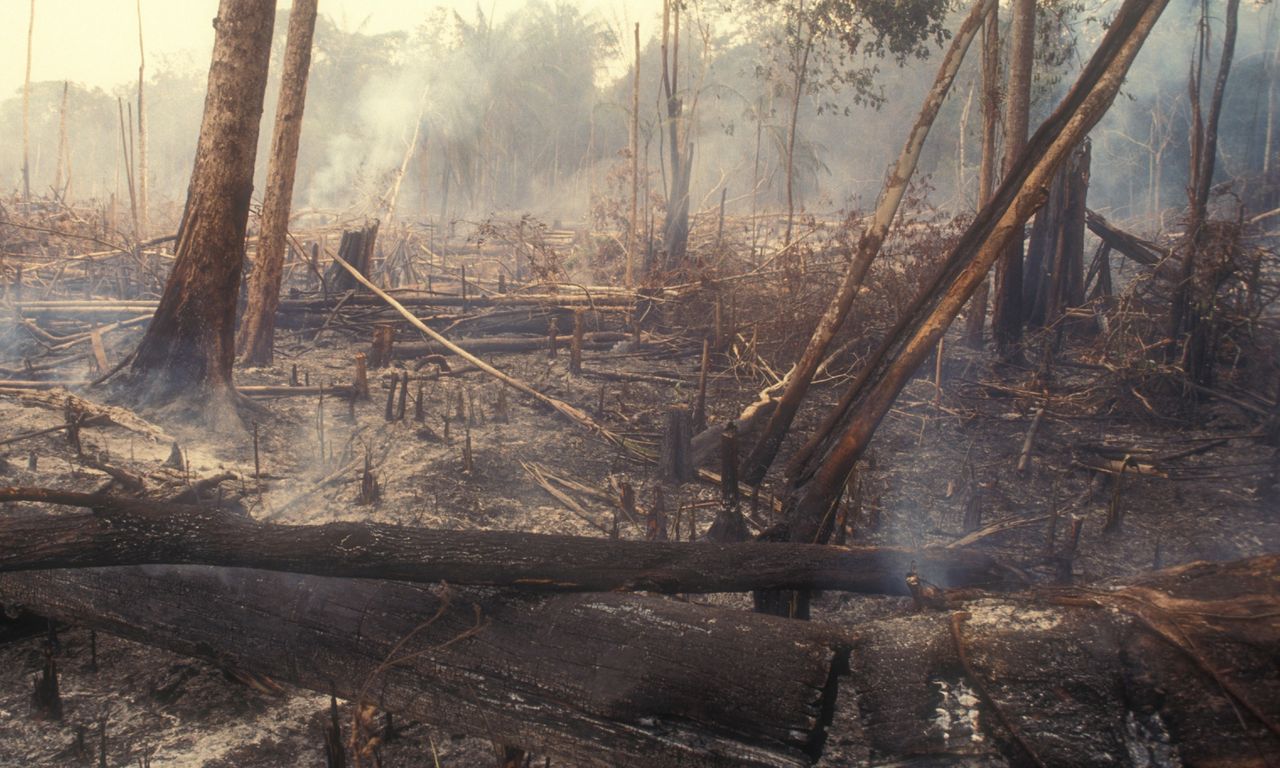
x=188 y=350
x=599 y=680
x=257 y=327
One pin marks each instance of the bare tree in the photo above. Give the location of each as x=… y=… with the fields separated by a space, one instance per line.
x=257 y=327
x=1190 y=321
x=186 y=356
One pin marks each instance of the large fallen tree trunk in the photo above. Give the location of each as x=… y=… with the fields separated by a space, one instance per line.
x=600 y=680
x=136 y=533
x=1177 y=669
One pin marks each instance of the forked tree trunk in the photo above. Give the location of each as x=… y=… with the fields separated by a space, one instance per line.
x=895 y=186
x=188 y=350
x=820 y=469
x=1007 y=312
x=257 y=327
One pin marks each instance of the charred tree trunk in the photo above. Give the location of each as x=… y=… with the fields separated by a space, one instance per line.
x=257 y=327
x=602 y=680
x=819 y=470
x=356 y=248
x=895 y=186
x=1007 y=311
x=188 y=350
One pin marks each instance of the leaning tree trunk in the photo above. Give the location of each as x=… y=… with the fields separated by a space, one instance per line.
x=1007 y=312
x=257 y=327
x=868 y=248
x=820 y=469
x=188 y=350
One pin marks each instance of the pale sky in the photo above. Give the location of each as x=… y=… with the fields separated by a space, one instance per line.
x=95 y=42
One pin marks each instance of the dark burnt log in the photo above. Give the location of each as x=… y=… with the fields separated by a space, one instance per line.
x=598 y=680
x=601 y=340
x=128 y=532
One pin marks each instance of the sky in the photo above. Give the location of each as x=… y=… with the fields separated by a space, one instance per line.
x=95 y=42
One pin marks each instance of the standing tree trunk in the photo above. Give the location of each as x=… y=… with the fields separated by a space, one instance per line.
x=801 y=80
x=1006 y=314
x=1191 y=324
x=188 y=350
x=675 y=230
x=257 y=327
x=26 y=112
x=977 y=318
x=634 y=239
x=144 y=217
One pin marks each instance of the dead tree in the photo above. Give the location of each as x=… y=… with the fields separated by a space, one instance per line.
x=1007 y=311
x=257 y=328
x=188 y=351
x=819 y=470
x=868 y=248
x=1191 y=318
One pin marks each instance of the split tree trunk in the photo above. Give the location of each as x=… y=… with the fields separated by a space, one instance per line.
x=600 y=680
x=895 y=186
x=188 y=350
x=256 y=340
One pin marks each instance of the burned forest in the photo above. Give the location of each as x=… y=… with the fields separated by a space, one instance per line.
x=653 y=383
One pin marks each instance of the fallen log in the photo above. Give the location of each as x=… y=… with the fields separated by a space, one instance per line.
x=599 y=680
x=133 y=532
x=503 y=344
